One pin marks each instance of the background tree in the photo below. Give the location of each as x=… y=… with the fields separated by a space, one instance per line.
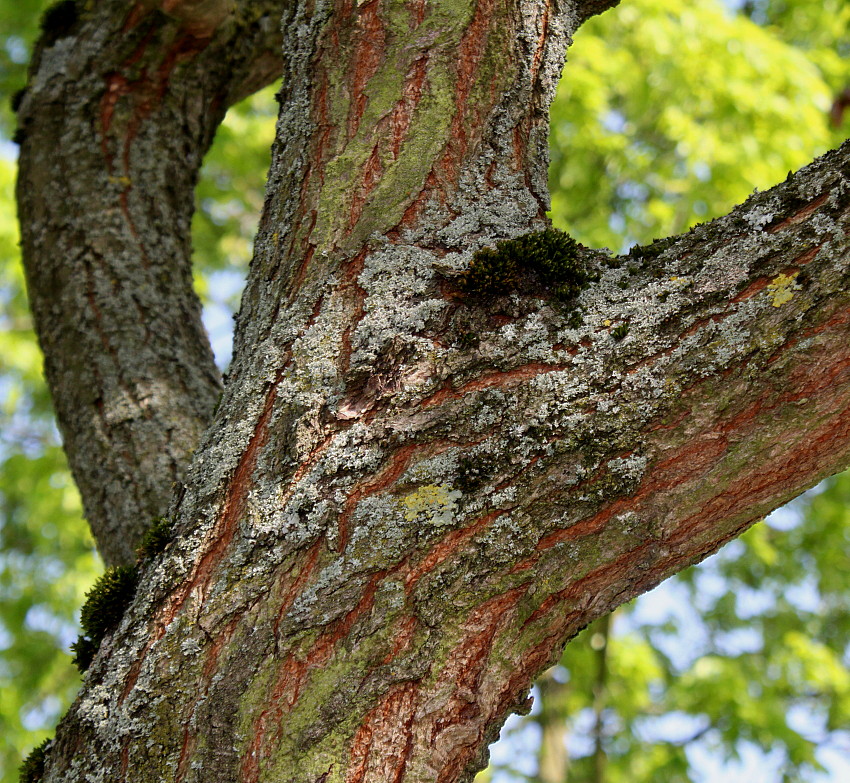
x=630 y=235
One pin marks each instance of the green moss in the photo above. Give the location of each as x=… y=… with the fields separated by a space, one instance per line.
x=104 y=607
x=32 y=767
x=575 y=319
x=550 y=256
x=84 y=650
x=158 y=536
x=491 y=273
x=619 y=332
x=648 y=253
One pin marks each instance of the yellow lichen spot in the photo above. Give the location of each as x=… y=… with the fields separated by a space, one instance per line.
x=606 y=322
x=124 y=181
x=435 y=502
x=782 y=288
x=276 y=238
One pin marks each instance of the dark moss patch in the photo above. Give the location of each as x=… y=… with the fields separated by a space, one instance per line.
x=472 y=474
x=32 y=767
x=648 y=253
x=58 y=21
x=550 y=258
x=619 y=332
x=102 y=612
x=84 y=650
x=575 y=319
x=17 y=99
x=158 y=536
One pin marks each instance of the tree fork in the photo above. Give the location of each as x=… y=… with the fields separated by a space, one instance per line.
x=411 y=498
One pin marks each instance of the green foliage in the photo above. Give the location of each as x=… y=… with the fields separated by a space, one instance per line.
x=18 y=32
x=552 y=256
x=229 y=196
x=158 y=536
x=32 y=767
x=691 y=109
x=102 y=612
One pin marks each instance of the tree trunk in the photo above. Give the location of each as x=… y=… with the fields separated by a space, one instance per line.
x=411 y=496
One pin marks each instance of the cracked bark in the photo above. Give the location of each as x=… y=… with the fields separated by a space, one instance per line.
x=410 y=499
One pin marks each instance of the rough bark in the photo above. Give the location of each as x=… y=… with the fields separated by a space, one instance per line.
x=122 y=103
x=410 y=498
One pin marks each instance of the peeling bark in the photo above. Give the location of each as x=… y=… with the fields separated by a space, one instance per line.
x=409 y=498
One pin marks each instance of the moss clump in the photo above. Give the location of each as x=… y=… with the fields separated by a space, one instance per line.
x=103 y=610
x=550 y=256
x=619 y=332
x=84 y=650
x=58 y=21
x=158 y=536
x=648 y=253
x=32 y=767
x=491 y=272
x=17 y=99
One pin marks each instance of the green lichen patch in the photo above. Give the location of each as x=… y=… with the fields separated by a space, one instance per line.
x=104 y=607
x=550 y=257
x=32 y=767
x=158 y=536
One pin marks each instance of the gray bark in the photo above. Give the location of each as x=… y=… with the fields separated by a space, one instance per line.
x=410 y=498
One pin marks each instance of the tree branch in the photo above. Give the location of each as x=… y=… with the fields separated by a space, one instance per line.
x=120 y=108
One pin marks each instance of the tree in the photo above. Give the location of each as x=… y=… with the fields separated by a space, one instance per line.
x=375 y=554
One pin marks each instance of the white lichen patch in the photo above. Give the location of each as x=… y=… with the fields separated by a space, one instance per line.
x=397 y=306
x=630 y=468
x=434 y=470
